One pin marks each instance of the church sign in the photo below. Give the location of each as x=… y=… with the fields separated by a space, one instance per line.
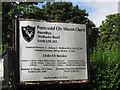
x=51 y=51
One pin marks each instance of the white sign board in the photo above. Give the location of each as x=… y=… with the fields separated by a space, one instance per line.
x=1 y=72
x=52 y=51
x=1 y=69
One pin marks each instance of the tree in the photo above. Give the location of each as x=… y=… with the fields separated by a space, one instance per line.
x=104 y=60
x=63 y=11
x=110 y=31
x=6 y=23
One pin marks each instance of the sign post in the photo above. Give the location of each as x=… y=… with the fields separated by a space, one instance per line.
x=52 y=52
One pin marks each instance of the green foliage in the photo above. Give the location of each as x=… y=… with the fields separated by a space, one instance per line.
x=104 y=60
x=110 y=30
x=1 y=48
x=105 y=67
x=65 y=12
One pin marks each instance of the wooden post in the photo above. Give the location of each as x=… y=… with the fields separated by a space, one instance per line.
x=15 y=34
x=88 y=57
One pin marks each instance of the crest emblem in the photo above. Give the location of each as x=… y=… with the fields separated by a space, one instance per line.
x=28 y=33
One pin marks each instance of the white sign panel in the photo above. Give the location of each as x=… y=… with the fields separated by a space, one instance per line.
x=52 y=51
x=1 y=69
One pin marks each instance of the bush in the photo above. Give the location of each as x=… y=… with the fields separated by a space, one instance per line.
x=105 y=65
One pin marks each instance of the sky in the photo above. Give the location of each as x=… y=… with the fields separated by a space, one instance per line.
x=97 y=9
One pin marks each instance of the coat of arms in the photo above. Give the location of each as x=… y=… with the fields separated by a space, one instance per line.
x=28 y=33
